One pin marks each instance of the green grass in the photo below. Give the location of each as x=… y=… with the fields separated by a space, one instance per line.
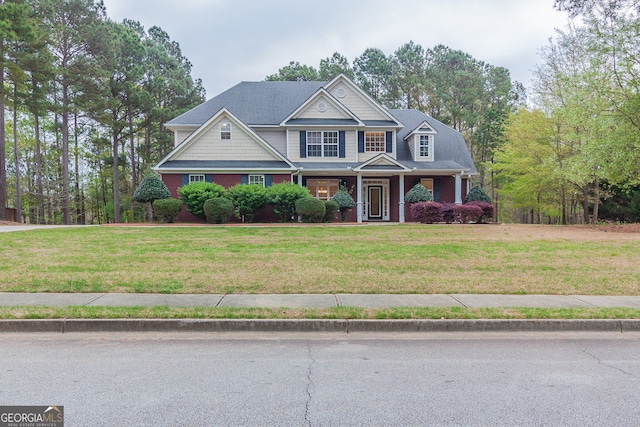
x=395 y=259
x=164 y=312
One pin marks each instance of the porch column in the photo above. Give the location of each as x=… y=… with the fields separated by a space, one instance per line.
x=300 y=179
x=458 y=188
x=401 y=200
x=359 y=201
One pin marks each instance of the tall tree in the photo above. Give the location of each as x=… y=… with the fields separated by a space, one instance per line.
x=333 y=66
x=408 y=64
x=372 y=71
x=294 y=72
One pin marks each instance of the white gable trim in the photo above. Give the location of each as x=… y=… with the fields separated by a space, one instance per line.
x=312 y=99
x=384 y=160
x=418 y=130
x=372 y=102
x=209 y=124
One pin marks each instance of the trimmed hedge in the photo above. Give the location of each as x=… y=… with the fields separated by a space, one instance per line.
x=487 y=211
x=331 y=210
x=310 y=209
x=218 y=210
x=427 y=212
x=167 y=210
x=283 y=198
x=468 y=213
x=247 y=199
x=448 y=212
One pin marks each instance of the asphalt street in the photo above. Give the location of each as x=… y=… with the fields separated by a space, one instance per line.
x=321 y=379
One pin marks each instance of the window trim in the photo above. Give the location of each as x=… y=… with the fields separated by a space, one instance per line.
x=261 y=179
x=197 y=177
x=379 y=142
x=420 y=146
x=429 y=186
x=329 y=139
x=225 y=134
x=329 y=186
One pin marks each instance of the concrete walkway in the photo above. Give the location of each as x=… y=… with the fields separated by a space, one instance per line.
x=316 y=300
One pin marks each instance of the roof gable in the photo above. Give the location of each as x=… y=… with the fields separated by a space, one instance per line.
x=322 y=107
x=382 y=163
x=205 y=142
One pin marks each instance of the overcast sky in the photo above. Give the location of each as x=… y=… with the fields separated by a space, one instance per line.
x=229 y=41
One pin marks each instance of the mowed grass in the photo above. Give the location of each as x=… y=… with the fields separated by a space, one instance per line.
x=408 y=258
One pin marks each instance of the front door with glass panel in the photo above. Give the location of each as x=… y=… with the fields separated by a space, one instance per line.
x=375 y=202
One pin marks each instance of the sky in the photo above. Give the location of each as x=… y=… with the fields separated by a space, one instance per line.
x=229 y=41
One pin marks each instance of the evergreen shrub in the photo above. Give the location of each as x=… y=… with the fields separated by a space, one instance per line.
x=283 y=198
x=196 y=193
x=167 y=210
x=247 y=199
x=418 y=194
x=477 y=194
x=218 y=210
x=310 y=209
x=331 y=210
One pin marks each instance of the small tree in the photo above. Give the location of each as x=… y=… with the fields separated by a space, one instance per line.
x=218 y=210
x=283 y=198
x=418 y=194
x=247 y=200
x=195 y=194
x=151 y=188
x=344 y=200
x=477 y=194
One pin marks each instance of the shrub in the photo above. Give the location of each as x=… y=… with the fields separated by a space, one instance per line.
x=195 y=194
x=151 y=188
x=283 y=198
x=344 y=200
x=468 y=213
x=218 y=210
x=448 y=213
x=247 y=200
x=167 y=210
x=310 y=209
x=427 y=212
x=487 y=210
x=418 y=194
x=477 y=194
x=331 y=209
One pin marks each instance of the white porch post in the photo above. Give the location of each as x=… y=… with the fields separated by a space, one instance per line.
x=300 y=179
x=401 y=198
x=359 y=201
x=458 y=189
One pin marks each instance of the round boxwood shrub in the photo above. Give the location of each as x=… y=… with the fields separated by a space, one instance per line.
x=468 y=213
x=218 y=210
x=427 y=212
x=310 y=209
x=418 y=194
x=167 y=210
x=477 y=194
x=331 y=209
x=195 y=194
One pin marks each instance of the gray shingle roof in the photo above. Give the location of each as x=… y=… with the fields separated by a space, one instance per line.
x=255 y=103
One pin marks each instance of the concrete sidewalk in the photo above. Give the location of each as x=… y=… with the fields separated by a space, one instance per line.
x=317 y=300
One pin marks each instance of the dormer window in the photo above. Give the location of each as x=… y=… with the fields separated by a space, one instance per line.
x=424 y=146
x=225 y=130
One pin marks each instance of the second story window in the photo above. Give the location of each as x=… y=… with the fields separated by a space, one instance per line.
x=322 y=144
x=225 y=130
x=425 y=146
x=374 y=142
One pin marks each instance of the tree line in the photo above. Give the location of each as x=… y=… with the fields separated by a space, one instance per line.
x=83 y=100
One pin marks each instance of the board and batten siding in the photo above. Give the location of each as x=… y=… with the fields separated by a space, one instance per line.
x=355 y=103
x=241 y=146
x=350 y=147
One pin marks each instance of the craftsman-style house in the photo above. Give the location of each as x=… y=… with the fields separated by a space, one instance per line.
x=320 y=135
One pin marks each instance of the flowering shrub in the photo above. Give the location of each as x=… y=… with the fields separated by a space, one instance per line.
x=487 y=210
x=468 y=213
x=427 y=212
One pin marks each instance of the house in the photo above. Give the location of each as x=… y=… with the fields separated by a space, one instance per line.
x=320 y=135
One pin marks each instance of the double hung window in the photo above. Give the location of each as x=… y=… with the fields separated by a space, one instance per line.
x=322 y=144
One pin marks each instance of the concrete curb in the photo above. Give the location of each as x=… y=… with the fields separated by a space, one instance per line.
x=317 y=325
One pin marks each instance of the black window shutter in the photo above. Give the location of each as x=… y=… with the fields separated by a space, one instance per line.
x=360 y=141
x=244 y=179
x=436 y=189
x=268 y=180
x=389 y=141
x=303 y=144
x=184 y=179
x=342 y=151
